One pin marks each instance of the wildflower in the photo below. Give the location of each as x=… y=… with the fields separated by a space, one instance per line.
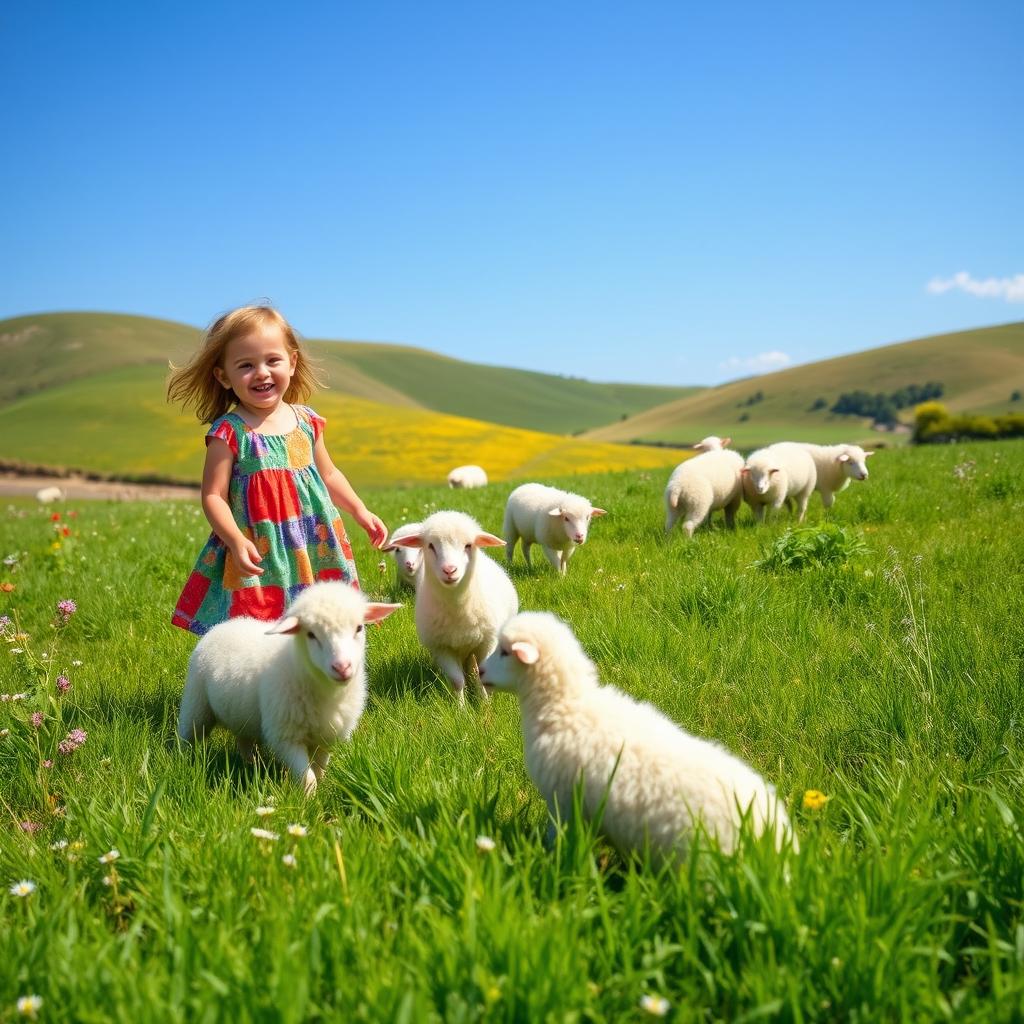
x=110 y=856
x=485 y=844
x=5 y=620
x=263 y=833
x=37 y=719
x=55 y=518
x=19 y=696
x=63 y=684
x=656 y=1006
x=65 y=609
x=60 y=844
x=29 y=827
x=48 y=763
x=29 y=1006
x=288 y=860
x=108 y=879
x=17 y=650
x=264 y=812
x=299 y=831
x=4 y=733
x=814 y=800
x=23 y=888
x=7 y=588
x=76 y=664
x=72 y=741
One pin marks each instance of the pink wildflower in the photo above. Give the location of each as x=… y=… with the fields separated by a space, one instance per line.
x=5 y=621
x=48 y=763
x=63 y=684
x=31 y=827
x=37 y=719
x=74 y=740
x=66 y=609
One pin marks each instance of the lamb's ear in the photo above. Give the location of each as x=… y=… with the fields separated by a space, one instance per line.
x=407 y=542
x=525 y=652
x=555 y=513
x=699 y=447
x=745 y=471
x=288 y=625
x=726 y=441
x=488 y=540
x=772 y=472
x=843 y=458
x=376 y=612
x=868 y=455
x=598 y=512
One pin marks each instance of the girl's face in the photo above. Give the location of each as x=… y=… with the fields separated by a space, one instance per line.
x=258 y=368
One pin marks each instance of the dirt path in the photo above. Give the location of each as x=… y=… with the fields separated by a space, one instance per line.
x=76 y=488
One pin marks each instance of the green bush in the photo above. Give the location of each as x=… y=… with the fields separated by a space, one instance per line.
x=817 y=546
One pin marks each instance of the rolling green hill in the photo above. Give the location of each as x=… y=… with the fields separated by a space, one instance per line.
x=50 y=349
x=979 y=370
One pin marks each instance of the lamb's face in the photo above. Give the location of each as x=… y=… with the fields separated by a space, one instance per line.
x=575 y=517
x=537 y=655
x=408 y=561
x=448 y=543
x=853 y=459
x=328 y=622
x=712 y=444
x=760 y=477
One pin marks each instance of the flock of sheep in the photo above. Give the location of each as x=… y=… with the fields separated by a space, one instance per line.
x=300 y=686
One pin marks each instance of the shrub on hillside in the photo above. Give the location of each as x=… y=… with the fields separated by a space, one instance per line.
x=933 y=423
x=811 y=546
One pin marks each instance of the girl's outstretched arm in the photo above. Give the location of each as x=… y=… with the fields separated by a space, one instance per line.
x=345 y=497
x=216 y=478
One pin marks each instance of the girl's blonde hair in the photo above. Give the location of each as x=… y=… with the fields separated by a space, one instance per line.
x=195 y=385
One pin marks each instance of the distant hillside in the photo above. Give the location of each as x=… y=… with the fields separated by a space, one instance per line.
x=118 y=423
x=50 y=349
x=979 y=370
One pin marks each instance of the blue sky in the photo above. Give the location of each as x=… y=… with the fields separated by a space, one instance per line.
x=667 y=192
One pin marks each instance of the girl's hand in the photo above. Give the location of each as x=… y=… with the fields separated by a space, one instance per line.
x=374 y=527
x=248 y=557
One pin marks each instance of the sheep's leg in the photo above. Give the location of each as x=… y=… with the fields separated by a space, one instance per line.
x=730 y=511
x=297 y=760
x=472 y=669
x=511 y=537
x=321 y=758
x=526 y=552
x=671 y=515
x=246 y=748
x=196 y=718
x=758 y=511
x=555 y=558
x=452 y=668
x=801 y=505
x=827 y=497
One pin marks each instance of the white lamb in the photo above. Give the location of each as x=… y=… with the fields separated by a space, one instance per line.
x=557 y=520
x=837 y=465
x=297 y=687
x=656 y=781
x=47 y=495
x=782 y=472
x=712 y=443
x=702 y=484
x=463 y=597
x=467 y=476
x=408 y=561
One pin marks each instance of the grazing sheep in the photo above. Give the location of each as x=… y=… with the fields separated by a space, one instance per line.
x=463 y=597
x=557 y=520
x=782 y=472
x=408 y=561
x=702 y=484
x=467 y=476
x=712 y=444
x=837 y=465
x=48 y=495
x=297 y=687
x=655 y=780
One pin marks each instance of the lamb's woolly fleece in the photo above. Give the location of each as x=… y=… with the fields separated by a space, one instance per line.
x=459 y=622
x=702 y=484
x=573 y=727
x=837 y=465
x=782 y=472
x=282 y=690
x=408 y=561
x=467 y=476
x=557 y=520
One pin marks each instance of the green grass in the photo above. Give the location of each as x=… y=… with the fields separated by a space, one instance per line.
x=48 y=350
x=888 y=678
x=979 y=369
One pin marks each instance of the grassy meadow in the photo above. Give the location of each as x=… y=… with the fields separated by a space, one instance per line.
x=881 y=667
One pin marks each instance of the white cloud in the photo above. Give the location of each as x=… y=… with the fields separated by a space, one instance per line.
x=1010 y=289
x=763 y=362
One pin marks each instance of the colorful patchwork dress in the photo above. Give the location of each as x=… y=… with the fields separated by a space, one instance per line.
x=280 y=502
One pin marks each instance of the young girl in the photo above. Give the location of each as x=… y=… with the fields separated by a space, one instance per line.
x=269 y=486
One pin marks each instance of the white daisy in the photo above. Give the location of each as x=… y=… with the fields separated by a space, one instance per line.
x=288 y=860
x=299 y=831
x=110 y=857
x=29 y=1006
x=23 y=888
x=60 y=844
x=656 y=1006
x=264 y=812
x=485 y=844
x=263 y=833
